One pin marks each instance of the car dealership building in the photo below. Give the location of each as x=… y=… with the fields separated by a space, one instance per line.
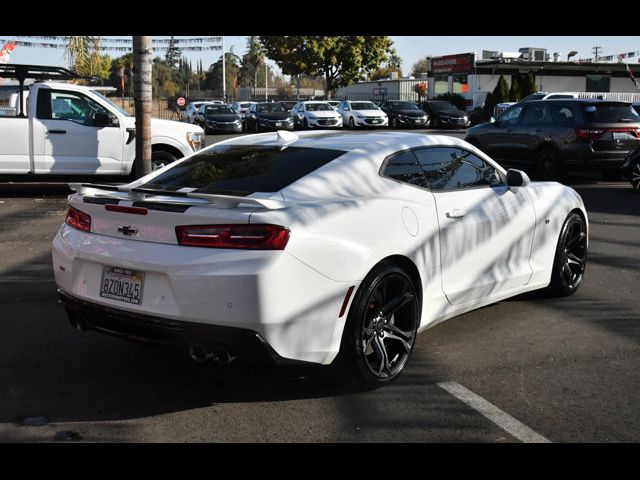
x=474 y=76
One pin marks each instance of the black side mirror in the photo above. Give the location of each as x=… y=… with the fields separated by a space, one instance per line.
x=517 y=178
x=104 y=119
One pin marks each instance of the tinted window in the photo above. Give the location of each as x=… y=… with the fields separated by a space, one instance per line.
x=404 y=167
x=611 y=113
x=561 y=115
x=533 y=115
x=243 y=169
x=449 y=168
x=510 y=116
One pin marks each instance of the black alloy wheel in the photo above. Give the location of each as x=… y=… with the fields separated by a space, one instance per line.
x=548 y=164
x=570 y=260
x=635 y=176
x=381 y=328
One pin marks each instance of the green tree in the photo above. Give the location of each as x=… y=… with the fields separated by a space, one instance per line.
x=173 y=54
x=251 y=65
x=420 y=67
x=514 y=91
x=83 y=54
x=340 y=60
x=501 y=92
x=528 y=86
x=213 y=77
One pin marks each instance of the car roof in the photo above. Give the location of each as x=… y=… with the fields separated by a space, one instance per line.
x=578 y=101
x=374 y=142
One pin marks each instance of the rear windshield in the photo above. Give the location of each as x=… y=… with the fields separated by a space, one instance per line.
x=611 y=113
x=243 y=169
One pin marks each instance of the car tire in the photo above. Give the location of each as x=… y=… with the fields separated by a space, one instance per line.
x=394 y=122
x=161 y=158
x=352 y=124
x=305 y=123
x=570 y=259
x=376 y=346
x=548 y=164
x=634 y=176
x=256 y=127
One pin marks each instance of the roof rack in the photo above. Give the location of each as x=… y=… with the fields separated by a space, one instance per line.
x=37 y=72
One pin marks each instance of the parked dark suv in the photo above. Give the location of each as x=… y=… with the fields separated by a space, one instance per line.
x=548 y=136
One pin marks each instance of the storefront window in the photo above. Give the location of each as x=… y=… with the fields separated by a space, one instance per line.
x=597 y=83
x=460 y=84
x=441 y=84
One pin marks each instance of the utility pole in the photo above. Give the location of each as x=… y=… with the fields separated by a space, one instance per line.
x=596 y=51
x=142 y=66
x=224 y=77
x=266 y=82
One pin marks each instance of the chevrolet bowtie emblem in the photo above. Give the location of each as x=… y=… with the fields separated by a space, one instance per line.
x=127 y=230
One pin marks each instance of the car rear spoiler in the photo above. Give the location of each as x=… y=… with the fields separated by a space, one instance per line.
x=180 y=197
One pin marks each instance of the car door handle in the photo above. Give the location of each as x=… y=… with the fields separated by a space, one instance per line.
x=456 y=213
x=57 y=131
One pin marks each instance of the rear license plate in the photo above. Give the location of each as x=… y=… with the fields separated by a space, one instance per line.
x=623 y=136
x=278 y=124
x=122 y=284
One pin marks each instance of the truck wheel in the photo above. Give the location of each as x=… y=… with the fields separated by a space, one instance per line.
x=161 y=158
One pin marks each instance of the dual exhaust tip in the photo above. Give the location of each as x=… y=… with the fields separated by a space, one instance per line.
x=201 y=354
x=198 y=353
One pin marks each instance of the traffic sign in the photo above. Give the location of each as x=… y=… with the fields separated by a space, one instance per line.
x=181 y=101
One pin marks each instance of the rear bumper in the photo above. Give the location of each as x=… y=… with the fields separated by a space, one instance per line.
x=272 y=293
x=580 y=155
x=244 y=344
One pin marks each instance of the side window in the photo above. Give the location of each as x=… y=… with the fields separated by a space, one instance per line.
x=561 y=115
x=449 y=168
x=75 y=107
x=510 y=116
x=404 y=167
x=533 y=115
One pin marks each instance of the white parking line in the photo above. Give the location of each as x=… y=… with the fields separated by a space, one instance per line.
x=493 y=413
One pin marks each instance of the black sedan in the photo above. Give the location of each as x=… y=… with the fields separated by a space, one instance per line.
x=404 y=114
x=219 y=118
x=269 y=116
x=443 y=114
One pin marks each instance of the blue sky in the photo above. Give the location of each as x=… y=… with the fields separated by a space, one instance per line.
x=410 y=49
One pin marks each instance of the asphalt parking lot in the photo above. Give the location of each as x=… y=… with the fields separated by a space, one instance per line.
x=530 y=368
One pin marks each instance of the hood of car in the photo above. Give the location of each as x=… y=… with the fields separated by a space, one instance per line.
x=273 y=115
x=451 y=113
x=370 y=113
x=324 y=114
x=411 y=113
x=223 y=117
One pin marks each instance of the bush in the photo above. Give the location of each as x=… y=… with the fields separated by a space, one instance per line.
x=455 y=98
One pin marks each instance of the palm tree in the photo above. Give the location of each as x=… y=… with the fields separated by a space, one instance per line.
x=83 y=54
x=142 y=53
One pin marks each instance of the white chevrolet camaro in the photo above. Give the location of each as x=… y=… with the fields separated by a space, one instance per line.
x=318 y=247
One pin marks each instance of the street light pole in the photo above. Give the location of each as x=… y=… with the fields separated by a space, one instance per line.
x=224 y=77
x=266 y=82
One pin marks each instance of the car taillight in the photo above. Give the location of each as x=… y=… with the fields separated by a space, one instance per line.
x=587 y=133
x=256 y=237
x=77 y=219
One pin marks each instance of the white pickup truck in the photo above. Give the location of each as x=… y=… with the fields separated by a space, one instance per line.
x=68 y=129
